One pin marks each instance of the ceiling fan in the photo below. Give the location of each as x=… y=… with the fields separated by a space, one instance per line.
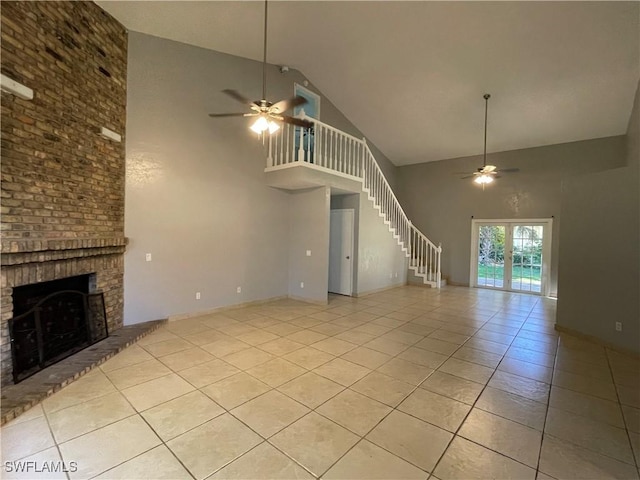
x=487 y=173
x=268 y=114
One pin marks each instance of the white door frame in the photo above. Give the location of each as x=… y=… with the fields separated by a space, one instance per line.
x=546 y=223
x=313 y=100
x=351 y=247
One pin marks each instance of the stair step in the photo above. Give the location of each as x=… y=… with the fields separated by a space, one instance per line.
x=420 y=278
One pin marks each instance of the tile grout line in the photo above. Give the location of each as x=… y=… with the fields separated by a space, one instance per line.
x=624 y=420
x=399 y=403
x=474 y=403
x=264 y=439
x=225 y=411
x=198 y=389
x=314 y=410
x=361 y=437
x=456 y=434
x=618 y=402
x=55 y=442
x=546 y=412
x=138 y=413
x=135 y=413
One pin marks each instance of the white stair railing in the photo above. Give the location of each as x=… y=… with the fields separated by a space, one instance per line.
x=324 y=147
x=425 y=258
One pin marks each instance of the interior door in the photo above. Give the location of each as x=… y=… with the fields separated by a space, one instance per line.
x=511 y=255
x=341 y=251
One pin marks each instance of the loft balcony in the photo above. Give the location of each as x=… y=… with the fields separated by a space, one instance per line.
x=321 y=155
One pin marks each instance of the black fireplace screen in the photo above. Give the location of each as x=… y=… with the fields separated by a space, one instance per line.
x=57 y=326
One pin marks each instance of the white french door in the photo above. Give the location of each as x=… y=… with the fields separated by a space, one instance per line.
x=512 y=255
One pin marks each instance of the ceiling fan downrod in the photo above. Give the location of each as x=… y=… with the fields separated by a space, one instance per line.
x=486 y=97
x=264 y=55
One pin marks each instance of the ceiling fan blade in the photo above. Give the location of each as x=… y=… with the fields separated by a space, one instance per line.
x=295 y=121
x=238 y=96
x=284 y=105
x=508 y=170
x=468 y=176
x=220 y=115
x=488 y=168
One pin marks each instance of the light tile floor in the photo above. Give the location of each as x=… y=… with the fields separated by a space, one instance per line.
x=408 y=383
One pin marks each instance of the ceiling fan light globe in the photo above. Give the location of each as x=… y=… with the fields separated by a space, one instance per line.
x=483 y=179
x=273 y=127
x=260 y=125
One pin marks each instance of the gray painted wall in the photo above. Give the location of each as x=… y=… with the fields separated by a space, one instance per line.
x=309 y=230
x=599 y=274
x=441 y=204
x=381 y=263
x=196 y=196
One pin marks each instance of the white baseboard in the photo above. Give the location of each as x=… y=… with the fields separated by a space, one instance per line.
x=596 y=340
x=306 y=300
x=378 y=290
x=183 y=316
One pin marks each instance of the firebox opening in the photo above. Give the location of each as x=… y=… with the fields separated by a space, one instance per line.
x=26 y=296
x=53 y=320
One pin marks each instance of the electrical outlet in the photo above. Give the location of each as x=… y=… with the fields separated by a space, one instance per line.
x=301 y=284
x=197 y=295
x=618 y=326
x=308 y=253
x=147 y=257
x=239 y=290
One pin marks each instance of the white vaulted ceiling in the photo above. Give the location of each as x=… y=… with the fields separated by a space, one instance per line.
x=410 y=75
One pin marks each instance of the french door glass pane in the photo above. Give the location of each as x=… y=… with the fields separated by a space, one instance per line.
x=491 y=240
x=526 y=267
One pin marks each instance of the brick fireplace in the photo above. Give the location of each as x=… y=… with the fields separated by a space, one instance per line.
x=62 y=182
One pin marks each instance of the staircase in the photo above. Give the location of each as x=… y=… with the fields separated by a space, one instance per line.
x=323 y=147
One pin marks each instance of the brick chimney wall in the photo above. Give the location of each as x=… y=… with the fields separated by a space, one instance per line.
x=62 y=183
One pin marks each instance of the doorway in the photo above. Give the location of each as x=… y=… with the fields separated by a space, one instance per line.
x=341 y=236
x=511 y=255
